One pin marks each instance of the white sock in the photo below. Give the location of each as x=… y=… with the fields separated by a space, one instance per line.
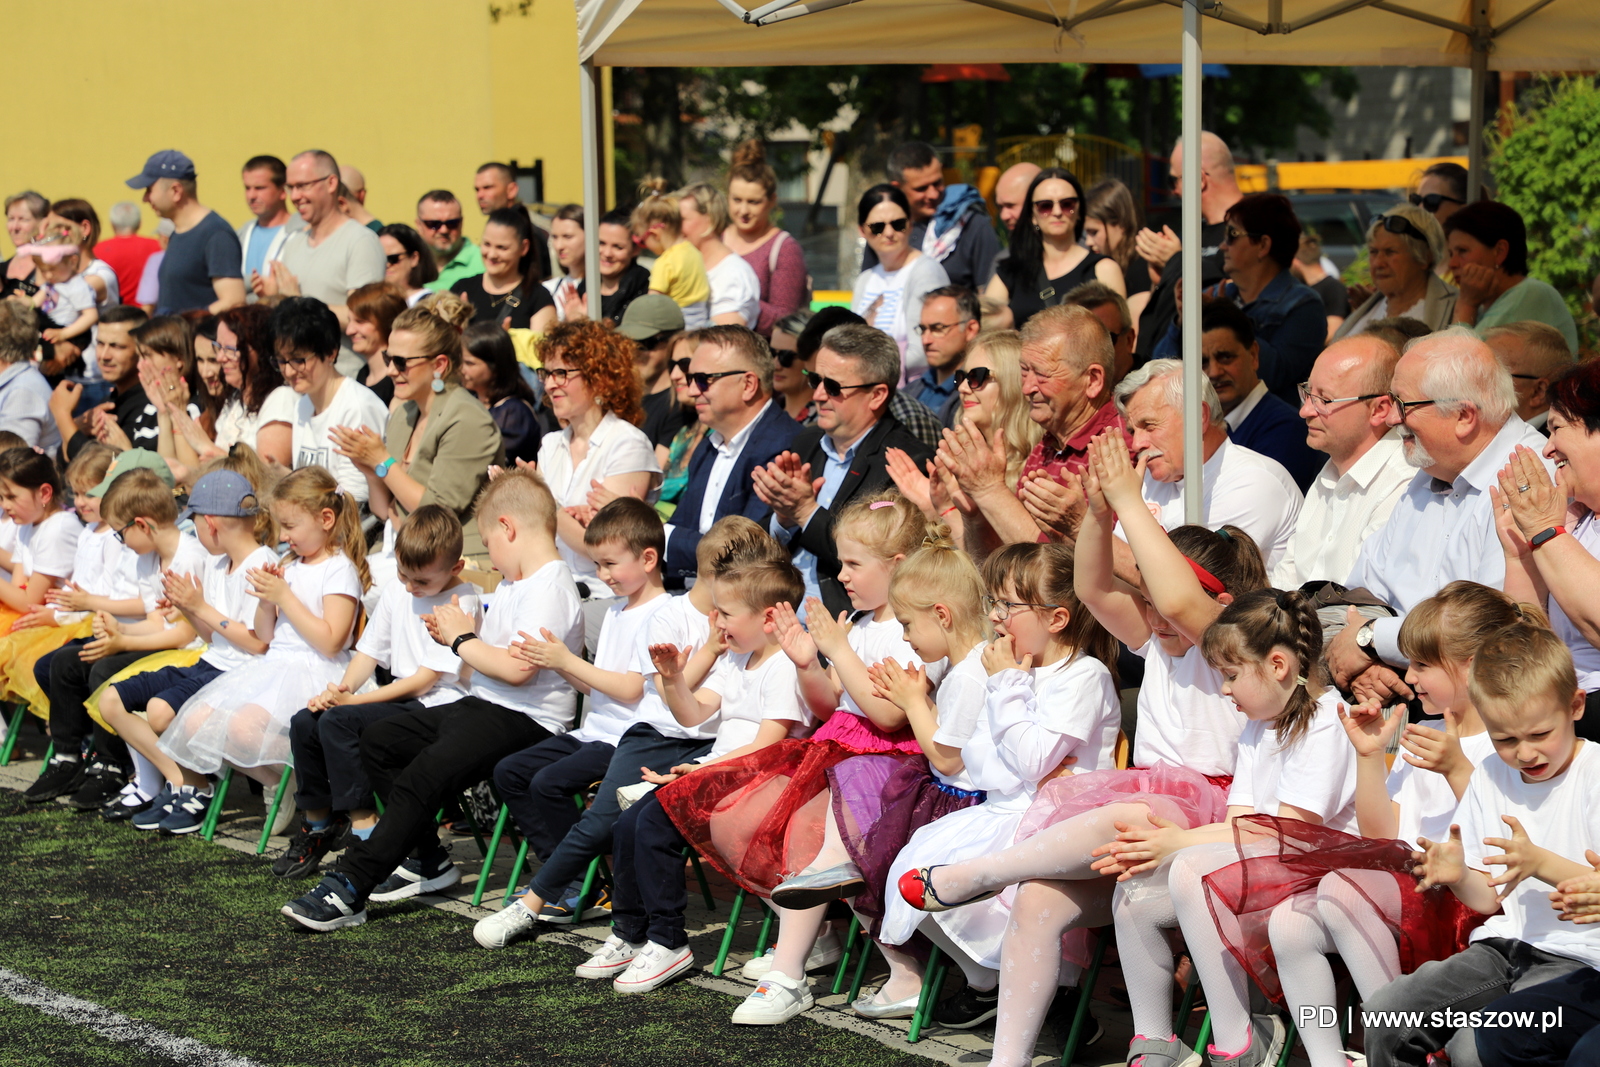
x=1300 y=943
x=1227 y=988
x=1361 y=933
x=1030 y=968
x=145 y=775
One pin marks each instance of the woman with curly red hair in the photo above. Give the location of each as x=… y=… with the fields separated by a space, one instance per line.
x=601 y=453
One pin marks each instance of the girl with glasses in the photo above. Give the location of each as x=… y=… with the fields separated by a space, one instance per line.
x=1048 y=259
x=680 y=270
x=889 y=295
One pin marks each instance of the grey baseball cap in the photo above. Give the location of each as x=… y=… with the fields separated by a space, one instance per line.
x=167 y=163
x=650 y=315
x=222 y=493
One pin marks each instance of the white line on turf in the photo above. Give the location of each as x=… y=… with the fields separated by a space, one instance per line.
x=115 y=1025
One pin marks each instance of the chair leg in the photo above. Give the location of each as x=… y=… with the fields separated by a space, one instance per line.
x=1080 y=1017
x=488 y=857
x=844 y=957
x=766 y=927
x=516 y=871
x=861 y=967
x=272 y=812
x=1186 y=1005
x=1203 y=1038
x=933 y=978
x=596 y=873
x=1288 y=1044
x=727 y=935
x=700 y=876
x=49 y=754
x=13 y=731
x=219 y=797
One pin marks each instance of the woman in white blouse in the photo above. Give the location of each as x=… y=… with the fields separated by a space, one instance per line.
x=735 y=289
x=889 y=295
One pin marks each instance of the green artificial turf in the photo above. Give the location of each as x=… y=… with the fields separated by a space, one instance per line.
x=186 y=935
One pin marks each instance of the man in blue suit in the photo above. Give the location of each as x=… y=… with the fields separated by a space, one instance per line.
x=1256 y=418
x=730 y=378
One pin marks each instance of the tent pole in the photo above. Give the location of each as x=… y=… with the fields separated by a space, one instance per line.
x=1480 y=78
x=593 y=208
x=1193 y=431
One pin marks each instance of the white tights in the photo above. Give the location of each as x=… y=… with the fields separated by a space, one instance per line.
x=1059 y=852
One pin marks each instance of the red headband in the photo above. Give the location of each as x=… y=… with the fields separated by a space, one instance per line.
x=1208 y=581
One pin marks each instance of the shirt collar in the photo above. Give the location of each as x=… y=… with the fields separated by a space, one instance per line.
x=732 y=445
x=929 y=382
x=848 y=454
x=1103 y=419
x=463 y=256
x=1484 y=470
x=1243 y=408
x=1375 y=459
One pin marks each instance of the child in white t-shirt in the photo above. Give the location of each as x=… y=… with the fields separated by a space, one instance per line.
x=332 y=787
x=66 y=297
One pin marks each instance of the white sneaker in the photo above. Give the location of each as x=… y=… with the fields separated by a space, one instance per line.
x=777 y=999
x=609 y=960
x=825 y=950
x=653 y=966
x=629 y=795
x=510 y=923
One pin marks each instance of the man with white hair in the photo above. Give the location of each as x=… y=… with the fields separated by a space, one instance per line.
x=126 y=251
x=1239 y=487
x=1456 y=411
x=1534 y=353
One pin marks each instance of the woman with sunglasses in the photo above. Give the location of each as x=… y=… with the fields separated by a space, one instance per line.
x=1488 y=245
x=373 y=309
x=674 y=458
x=510 y=290
x=409 y=264
x=1047 y=260
x=889 y=294
x=1403 y=246
x=789 y=385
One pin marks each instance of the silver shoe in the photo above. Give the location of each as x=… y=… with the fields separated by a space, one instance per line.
x=819 y=887
x=895 y=1009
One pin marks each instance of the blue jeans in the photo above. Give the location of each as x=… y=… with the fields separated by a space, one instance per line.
x=1573 y=999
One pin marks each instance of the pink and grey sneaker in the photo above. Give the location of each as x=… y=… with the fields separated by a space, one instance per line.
x=1161 y=1052
x=1267 y=1036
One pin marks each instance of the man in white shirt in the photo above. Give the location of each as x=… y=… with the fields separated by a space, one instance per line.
x=1346 y=409
x=730 y=378
x=1240 y=487
x=1455 y=408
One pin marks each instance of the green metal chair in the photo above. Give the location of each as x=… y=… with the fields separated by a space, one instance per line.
x=734 y=912
x=219 y=797
x=13 y=733
x=1080 y=1016
x=272 y=810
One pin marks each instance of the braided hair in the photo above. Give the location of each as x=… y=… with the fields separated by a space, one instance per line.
x=1256 y=623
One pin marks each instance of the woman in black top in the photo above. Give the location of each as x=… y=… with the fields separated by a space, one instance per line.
x=489 y=370
x=509 y=291
x=1047 y=261
x=622 y=280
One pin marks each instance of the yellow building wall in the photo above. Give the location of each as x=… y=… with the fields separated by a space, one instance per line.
x=416 y=93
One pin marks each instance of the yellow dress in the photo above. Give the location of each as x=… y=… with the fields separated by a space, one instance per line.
x=21 y=649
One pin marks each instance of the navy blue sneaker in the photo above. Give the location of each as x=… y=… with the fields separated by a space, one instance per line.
x=188 y=811
x=150 y=818
x=332 y=905
x=415 y=877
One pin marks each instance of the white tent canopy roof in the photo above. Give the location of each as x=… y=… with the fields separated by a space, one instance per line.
x=1530 y=35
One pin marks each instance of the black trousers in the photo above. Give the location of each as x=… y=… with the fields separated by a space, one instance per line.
x=648 y=894
x=69 y=681
x=415 y=760
x=327 y=753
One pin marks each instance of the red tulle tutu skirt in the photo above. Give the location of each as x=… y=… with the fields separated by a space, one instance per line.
x=879 y=801
x=1433 y=925
x=1178 y=794
x=759 y=818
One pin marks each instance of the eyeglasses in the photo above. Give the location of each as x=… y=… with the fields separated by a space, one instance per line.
x=1004 y=609
x=1407 y=406
x=786 y=357
x=401 y=362
x=702 y=381
x=1431 y=202
x=1526 y=377
x=1324 y=404
x=977 y=377
x=831 y=387
x=558 y=374
x=125 y=529
x=295 y=187
x=1236 y=234
x=394 y=258
x=1396 y=224
x=898 y=225
x=1068 y=205
x=938 y=329
x=296 y=364
x=442 y=224
x=229 y=351
x=682 y=365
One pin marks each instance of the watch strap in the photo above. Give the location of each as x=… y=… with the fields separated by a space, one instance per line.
x=382 y=469
x=455 y=646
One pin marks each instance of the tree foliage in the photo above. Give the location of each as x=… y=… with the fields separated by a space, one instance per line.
x=1546 y=163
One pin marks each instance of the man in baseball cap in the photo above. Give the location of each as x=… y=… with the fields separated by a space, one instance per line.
x=651 y=322
x=201 y=266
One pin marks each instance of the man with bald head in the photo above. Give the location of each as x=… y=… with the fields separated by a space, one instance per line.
x=353 y=197
x=1009 y=193
x=495 y=187
x=1346 y=408
x=1219 y=191
x=1534 y=353
x=1456 y=412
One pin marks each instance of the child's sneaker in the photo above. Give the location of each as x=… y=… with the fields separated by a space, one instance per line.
x=776 y=999
x=101 y=783
x=609 y=960
x=188 y=812
x=825 y=950
x=629 y=795
x=415 y=877
x=307 y=847
x=511 y=923
x=1161 y=1052
x=654 y=966
x=61 y=775
x=150 y=818
x=1267 y=1036
x=332 y=905
x=566 y=910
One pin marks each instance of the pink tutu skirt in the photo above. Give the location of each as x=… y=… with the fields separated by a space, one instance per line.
x=879 y=801
x=861 y=734
x=1178 y=794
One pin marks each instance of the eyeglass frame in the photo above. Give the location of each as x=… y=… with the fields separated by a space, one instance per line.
x=118 y=533
x=560 y=374
x=279 y=362
x=233 y=351
x=971 y=376
x=1324 y=404
x=444 y=224
x=403 y=362
x=1068 y=205
x=1402 y=405
x=290 y=187
x=938 y=329
x=701 y=382
x=1421 y=200
x=833 y=388
x=993 y=606
x=1234 y=233
x=899 y=225
x=1399 y=225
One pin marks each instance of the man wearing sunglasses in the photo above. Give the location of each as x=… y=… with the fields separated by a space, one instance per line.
x=730 y=379
x=1256 y=419
x=1455 y=409
x=440 y=222
x=950 y=224
x=950 y=322
x=839 y=459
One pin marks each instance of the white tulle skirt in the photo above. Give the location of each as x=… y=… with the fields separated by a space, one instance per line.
x=242 y=717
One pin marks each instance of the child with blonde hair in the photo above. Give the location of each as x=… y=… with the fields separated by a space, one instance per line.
x=679 y=271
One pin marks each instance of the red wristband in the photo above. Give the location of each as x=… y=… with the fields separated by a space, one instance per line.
x=1544 y=536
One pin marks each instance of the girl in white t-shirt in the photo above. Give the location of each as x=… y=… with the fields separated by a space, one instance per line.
x=47 y=535
x=306 y=611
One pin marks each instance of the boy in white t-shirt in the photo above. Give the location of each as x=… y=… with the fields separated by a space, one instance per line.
x=1529 y=810
x=755 y=691
x=420 y=757
x=332 y=789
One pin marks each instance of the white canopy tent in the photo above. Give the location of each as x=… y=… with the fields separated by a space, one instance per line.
x=1519 y=35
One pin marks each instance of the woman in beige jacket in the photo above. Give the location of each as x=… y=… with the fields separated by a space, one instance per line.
x=1403 y=244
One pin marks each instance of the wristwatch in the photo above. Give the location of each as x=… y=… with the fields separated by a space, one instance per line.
x=382 y=469
x=1365 y=642
x=455 y=646
x=1546 y=535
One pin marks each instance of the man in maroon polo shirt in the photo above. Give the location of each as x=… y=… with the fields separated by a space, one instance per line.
x=1067 y=361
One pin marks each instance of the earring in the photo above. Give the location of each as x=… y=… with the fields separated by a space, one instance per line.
x=438 y=381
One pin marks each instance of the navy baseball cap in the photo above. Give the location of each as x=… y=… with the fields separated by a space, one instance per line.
x=222 y=493
x=167 y=163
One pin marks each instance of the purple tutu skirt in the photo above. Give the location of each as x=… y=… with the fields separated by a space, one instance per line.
x=1178 y=794
x=878 y=803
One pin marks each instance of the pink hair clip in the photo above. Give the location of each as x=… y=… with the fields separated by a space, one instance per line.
x=876 y=504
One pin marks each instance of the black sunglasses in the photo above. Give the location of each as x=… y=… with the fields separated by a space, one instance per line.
x=898 y=225
x=1396 y=224
x=702 y=381
x=1431 y=202
x=977 y=377
x=443 y=224
x=394 y=258
x=682 y=365
x=1067 y=204
x=400 y=361
x=787 y=356
x=1235 y=234
x=831 y=387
